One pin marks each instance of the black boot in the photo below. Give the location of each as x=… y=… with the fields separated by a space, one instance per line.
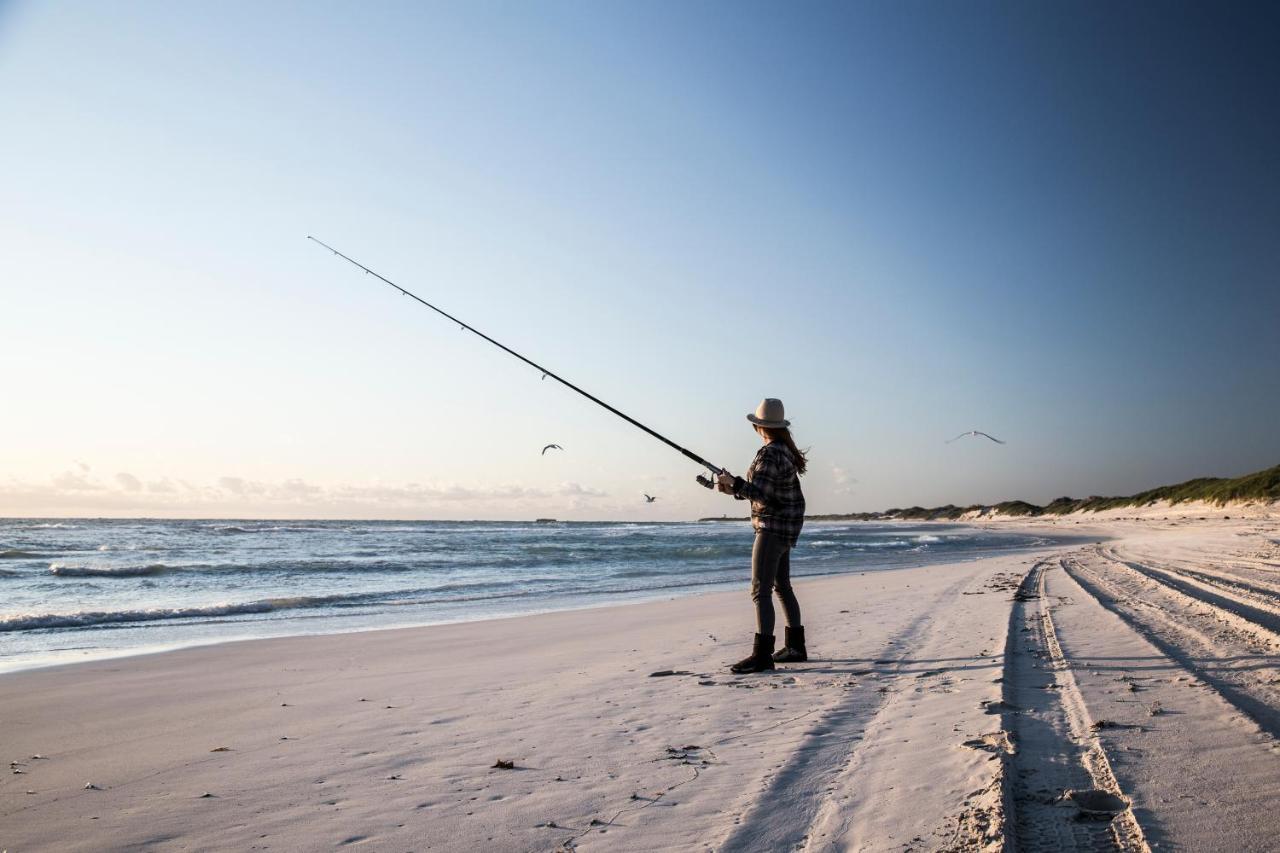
x=793 y=650
x=761 y=656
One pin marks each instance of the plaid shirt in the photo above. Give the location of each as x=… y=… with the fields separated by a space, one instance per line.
x=772 y=485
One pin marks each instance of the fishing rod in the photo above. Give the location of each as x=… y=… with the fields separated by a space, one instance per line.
x=705 y=481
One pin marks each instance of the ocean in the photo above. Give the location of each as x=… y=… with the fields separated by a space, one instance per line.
x=77 y=589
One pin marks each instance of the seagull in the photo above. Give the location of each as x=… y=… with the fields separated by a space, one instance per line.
x=649 y=499
x=975 y=432
x=551 y=447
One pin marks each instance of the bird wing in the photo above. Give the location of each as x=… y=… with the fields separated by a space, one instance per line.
x=958 y=437
x=984 y=435
x=551 y=447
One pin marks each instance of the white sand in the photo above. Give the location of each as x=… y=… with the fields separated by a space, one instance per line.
x=892 y=738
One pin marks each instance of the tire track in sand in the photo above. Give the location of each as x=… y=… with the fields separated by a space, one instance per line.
x=790 y=810
x=1220 y=647
x=1052 y=752
x=783 y=813
x=1199 y=772
x=1243 y=602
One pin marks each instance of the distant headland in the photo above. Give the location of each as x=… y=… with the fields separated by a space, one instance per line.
x=1260 y=486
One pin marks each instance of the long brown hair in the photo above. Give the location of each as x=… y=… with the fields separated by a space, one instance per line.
x=783 y=435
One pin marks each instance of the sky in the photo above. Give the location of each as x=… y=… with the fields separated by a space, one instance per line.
x=1053 y=222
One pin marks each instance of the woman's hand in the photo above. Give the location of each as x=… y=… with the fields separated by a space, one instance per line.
x=724 y=482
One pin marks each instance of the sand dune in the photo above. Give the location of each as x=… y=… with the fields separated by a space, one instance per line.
x=1118 y=695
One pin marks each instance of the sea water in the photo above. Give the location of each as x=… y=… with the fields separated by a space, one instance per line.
x=75 y=589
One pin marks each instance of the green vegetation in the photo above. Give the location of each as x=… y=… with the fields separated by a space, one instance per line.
x=1260 y=487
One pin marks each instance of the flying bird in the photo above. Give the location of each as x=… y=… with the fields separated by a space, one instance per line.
x=649 y=499
x=551 y=447
x=975 y=432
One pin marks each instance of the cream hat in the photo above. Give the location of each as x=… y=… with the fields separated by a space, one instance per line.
x=769 y=414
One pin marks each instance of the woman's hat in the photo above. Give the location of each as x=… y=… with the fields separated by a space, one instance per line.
x=769 y=414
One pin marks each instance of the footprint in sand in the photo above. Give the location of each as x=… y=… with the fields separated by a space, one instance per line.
x=992 y=742
x=1096 y=803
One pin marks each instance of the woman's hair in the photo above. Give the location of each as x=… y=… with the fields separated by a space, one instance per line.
x=782 y=434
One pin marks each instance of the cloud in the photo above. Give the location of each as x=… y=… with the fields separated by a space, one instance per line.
x=79 y=493
x=453 y=492
x=128 y=482
x=239 y=486
x=577 y=490
x=844 y=482
x=69 y=481
x=299 y=489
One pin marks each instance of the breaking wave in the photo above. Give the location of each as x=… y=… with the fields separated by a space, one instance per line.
x=85 y=619
x=445 y=592
x=216 y=570
x=110 y=571
x=35 y=621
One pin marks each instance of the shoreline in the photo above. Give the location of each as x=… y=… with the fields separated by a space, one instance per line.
x=166 y=649
x=579 y=601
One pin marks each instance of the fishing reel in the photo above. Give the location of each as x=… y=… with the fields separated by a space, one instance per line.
x=707 y=482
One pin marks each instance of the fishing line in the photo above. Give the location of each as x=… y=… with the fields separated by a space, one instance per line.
x=705 y=481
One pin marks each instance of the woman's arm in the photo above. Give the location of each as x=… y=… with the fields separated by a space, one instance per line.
x=765 y=475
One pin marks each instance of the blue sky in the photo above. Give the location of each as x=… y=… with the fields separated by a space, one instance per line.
x=1054 y=223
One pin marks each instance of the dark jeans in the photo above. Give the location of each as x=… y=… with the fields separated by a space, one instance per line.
x=770 y=571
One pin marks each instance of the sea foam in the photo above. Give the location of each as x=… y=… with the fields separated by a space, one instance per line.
x=109 y=571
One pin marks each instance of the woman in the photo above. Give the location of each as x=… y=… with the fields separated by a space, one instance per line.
x=772 y=485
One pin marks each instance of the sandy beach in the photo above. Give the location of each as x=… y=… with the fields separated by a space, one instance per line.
x=982 y=705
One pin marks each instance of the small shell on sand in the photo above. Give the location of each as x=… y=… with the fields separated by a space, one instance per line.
x=89 y=786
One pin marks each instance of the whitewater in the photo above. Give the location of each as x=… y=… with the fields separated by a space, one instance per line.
x=74 y=589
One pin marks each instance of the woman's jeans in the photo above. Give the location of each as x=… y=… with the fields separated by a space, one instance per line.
x=771 y=570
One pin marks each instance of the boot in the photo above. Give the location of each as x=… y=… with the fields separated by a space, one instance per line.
x=792 y=650
x=761 y=656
